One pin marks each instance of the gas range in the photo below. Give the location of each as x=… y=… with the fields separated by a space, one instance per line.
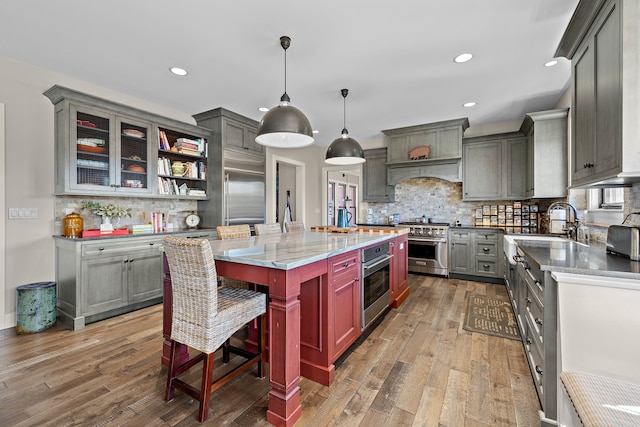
x=426 y=231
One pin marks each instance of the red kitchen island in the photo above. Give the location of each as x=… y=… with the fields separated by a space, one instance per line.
x=313 y=281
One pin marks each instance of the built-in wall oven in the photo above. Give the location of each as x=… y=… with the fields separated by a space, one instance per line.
x=376 y=261
x=428 y=247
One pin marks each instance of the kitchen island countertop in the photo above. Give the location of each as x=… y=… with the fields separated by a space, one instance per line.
x=291 y=250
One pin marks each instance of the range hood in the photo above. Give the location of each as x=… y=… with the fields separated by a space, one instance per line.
x=449 y=169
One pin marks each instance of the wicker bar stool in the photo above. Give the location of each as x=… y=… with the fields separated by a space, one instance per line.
x=205 y=317
x=233 y=231
x=294 y=226
x=264 y=229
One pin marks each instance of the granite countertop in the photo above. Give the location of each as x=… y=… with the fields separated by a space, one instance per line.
x=290 y=250
x=568 y=256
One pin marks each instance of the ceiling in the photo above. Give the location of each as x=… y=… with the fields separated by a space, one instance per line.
x=395 y=57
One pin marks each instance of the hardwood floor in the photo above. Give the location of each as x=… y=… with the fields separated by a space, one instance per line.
x=418 y=367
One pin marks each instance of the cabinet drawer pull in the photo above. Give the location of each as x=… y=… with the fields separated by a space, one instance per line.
x=485 y=249
x=529 y=301
x=539 y=369
x=101 y=249
x=151 y=243
x=538 y=321
x=486 y=265
x=529 y=341
x=345 y=265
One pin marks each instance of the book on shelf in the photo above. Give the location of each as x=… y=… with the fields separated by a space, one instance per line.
x=163 y=141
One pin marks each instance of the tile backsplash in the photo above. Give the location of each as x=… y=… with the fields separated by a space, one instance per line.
x=141 y=209
x=437 y=199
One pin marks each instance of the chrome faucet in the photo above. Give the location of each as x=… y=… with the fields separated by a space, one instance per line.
x=572 y=228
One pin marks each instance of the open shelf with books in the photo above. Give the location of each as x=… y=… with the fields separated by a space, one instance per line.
x=182 y=164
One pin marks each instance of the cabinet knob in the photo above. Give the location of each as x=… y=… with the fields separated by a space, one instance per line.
x=485 y=265
x=529 y=341
x=529 y=301
x=101 y=249
x=538 y=321
x=345 y=265
x=485 y=249
x=539 y=369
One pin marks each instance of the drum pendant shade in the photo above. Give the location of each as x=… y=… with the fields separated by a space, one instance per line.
x=285 y=126
x=344 y=150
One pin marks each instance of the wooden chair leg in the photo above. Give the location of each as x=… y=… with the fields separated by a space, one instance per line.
x=262 y=334
x=171 y=374
x=225 y=351
x=205 y=387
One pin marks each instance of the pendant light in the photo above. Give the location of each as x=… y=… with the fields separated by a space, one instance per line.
x=284 y=126
x=344 y=150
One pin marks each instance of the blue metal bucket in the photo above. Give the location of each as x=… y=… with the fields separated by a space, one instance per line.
x=36 y=307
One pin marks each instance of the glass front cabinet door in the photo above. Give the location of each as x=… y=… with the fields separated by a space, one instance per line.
x=108 y=153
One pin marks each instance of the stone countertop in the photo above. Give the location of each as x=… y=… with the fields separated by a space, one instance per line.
x=572 y=257
x=126 y=236
x=291 y=250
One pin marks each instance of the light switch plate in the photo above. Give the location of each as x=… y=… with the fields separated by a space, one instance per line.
x=23 y=213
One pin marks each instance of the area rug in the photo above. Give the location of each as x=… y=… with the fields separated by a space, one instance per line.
x=490 y=316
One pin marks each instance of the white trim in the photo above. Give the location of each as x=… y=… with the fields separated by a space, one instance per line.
x=599 y=281
x=300 y=200
x=4 y=320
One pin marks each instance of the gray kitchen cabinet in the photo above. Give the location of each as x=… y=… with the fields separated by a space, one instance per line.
x=101 y=278
x=534 y=304
x=605 y=86
x=461 y=259
x=445 y=140
x=494 y=167
x=110 y=149
x=476 y=254
x=232 y=130
x=547 y=152
x=375 y=187
x=233 y=137
x=488 y=250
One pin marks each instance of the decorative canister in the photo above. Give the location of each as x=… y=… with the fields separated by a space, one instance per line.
x=177 y=168
x=72 y=225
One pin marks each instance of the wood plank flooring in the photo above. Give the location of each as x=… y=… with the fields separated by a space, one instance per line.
x=418 y=367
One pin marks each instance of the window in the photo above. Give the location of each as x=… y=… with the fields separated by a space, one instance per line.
x=606 y=198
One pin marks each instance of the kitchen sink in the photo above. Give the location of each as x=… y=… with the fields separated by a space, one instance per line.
x=510 y=244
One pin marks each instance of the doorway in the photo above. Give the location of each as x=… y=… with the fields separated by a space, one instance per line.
x=340 y=190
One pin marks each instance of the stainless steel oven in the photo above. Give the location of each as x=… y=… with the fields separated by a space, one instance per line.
x=376 y=262
x=428 y=248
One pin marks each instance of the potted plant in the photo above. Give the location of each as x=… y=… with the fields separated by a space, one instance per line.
x=107 y=212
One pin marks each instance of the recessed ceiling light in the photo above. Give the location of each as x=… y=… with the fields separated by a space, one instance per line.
x=178 y=71
x=263 y=109
x=550 y=63
x=463 y=57
x=469 y=104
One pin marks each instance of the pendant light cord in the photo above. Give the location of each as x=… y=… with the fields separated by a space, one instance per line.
x=344 y=93
x=285 y=42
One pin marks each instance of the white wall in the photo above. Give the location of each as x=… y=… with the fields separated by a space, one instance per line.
x=27 y=248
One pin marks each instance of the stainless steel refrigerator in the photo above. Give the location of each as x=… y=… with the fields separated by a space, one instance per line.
x=244 y=192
